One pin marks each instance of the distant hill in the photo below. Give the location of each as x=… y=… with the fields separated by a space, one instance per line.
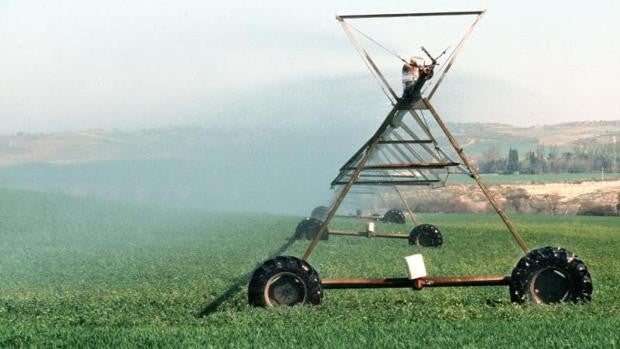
x=478 y=137
x=197 y=143
x=284 y=170
x=330 y=116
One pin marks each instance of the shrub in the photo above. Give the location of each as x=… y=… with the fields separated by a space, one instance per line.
x=590 y=208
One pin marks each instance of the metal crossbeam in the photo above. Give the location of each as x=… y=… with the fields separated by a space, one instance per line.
x=413 y=14
x=412 y=141
x=406 y=166
x=386 y=176
x=392 y=182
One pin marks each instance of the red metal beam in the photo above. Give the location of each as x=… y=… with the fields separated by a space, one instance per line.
x=455 y=281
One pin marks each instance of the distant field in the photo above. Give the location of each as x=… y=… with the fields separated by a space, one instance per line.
x=86 y=273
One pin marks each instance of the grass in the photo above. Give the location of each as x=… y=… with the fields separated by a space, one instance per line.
x=81 y=272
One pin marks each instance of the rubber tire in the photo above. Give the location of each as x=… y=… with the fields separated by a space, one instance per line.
x=394 y=216
x=550 y=258
x=308 y=228
x=288 y=265
x=426 y=235
x=320 y=212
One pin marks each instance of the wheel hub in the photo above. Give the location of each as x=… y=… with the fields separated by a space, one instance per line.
x=285 y=289
x=550 y=285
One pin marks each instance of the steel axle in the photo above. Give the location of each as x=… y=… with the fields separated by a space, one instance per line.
x=418 y=284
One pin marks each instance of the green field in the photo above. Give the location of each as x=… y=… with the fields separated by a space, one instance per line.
x=87 y=273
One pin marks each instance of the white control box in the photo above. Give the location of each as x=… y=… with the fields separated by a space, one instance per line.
x=415 y=266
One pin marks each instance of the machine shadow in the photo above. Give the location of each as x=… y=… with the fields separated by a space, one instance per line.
x=240 y=282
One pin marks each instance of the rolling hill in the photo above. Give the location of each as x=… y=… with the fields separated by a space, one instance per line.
x=232 y=170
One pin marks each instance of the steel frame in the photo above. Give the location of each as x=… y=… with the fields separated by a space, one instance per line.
x=352 y=170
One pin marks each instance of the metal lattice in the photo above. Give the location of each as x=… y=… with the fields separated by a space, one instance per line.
x=403 y=151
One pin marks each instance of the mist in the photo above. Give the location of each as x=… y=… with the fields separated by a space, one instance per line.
x=254 y=107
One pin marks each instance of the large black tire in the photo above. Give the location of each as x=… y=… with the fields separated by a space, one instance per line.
x=550 y=275
x=320 y=212
x=285 y=280
x=426 y=235
x=308 y=228
x=394 y=216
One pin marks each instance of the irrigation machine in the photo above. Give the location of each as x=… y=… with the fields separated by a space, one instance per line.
x=404 y=151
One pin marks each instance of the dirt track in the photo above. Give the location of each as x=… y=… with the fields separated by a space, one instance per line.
x=545 y=198
x=573 y=190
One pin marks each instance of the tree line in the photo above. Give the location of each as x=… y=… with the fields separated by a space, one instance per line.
x=581 y=158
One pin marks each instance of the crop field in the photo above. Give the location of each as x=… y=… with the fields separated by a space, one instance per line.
x=91 y=273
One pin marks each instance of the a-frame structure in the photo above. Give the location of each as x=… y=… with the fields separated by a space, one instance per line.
x=403 y=151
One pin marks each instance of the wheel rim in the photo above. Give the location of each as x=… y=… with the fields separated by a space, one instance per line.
x=424 y=239
x=427 y=237
x=285 y=288
x=550 y=285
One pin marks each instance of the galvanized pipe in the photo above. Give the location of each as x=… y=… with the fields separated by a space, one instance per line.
x=416 y=14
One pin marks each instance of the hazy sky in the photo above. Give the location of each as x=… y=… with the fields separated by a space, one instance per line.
x=68 y=65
